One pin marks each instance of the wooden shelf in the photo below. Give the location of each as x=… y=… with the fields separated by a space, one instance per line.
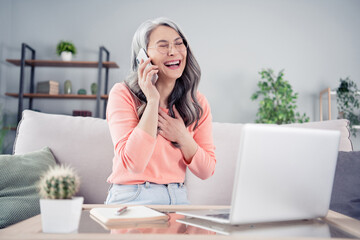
x=52 y=63
x=332 y=92
x=56 y=96
x=10 y=128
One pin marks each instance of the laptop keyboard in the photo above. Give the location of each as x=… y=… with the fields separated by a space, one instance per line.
x=219 y=215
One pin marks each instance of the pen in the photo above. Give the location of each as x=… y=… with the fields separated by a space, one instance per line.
x=121 y=211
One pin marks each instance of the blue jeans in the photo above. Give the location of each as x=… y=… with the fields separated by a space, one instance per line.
x=148 y=194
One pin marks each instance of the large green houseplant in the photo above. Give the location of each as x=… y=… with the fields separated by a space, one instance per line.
x=347 y=98
x=278 y=102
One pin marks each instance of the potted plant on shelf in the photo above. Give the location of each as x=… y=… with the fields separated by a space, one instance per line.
x=347 y=98
x=60 y=210
x=66 y=50
x=279 y=101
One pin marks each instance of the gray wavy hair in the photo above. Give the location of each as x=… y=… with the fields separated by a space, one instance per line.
x=183 y=95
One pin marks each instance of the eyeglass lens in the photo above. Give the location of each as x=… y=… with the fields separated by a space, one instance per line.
x=164 y=47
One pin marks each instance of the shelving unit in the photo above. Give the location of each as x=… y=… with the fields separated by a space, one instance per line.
x=32 y=63
x=57 y=96
x=53 y=63
x=329 y=94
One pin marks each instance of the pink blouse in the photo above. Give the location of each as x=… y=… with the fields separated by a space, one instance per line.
x=140 y=157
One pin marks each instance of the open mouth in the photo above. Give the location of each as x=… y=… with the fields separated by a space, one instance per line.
x=173 y=64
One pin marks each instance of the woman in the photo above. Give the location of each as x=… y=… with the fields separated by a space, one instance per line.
x=160 y=129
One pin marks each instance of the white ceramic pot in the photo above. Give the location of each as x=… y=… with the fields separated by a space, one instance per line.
x=66 y=56
x=61 y=215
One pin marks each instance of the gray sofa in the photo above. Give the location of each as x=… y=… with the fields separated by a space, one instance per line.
x=85 y=143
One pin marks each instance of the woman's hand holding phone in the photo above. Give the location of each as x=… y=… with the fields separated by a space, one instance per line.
x=145 y=74
x=149 y=119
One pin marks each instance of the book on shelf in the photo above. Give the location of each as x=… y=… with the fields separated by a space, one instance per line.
x=82 y=113
x=133 y=214
x=48 y=87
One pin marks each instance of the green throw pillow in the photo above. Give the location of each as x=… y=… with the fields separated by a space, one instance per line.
x=19 y=174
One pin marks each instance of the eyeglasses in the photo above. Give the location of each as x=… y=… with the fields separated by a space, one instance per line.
x=164 y=46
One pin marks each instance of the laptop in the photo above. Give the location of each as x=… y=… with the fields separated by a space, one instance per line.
x=308 y=228
x=281 y=174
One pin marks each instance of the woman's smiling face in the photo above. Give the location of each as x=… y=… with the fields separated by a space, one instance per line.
x=171 y=63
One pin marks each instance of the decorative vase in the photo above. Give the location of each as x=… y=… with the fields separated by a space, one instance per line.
x=66 y=56
x=67 y=87
x=61 y=215
x=93 y=88
x=81 y=91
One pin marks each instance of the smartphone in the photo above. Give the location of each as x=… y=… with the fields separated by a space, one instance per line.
x=143 y=55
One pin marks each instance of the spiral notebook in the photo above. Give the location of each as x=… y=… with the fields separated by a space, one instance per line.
x=133 y=214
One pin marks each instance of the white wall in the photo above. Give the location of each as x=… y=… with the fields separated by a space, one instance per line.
x=315 y=41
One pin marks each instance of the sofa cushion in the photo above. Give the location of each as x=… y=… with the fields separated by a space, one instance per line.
x=19 y=174
x=345 y=196
x=83 y=142
x=217 y=189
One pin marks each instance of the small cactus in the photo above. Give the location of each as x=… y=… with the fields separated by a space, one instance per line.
x=59 y=182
